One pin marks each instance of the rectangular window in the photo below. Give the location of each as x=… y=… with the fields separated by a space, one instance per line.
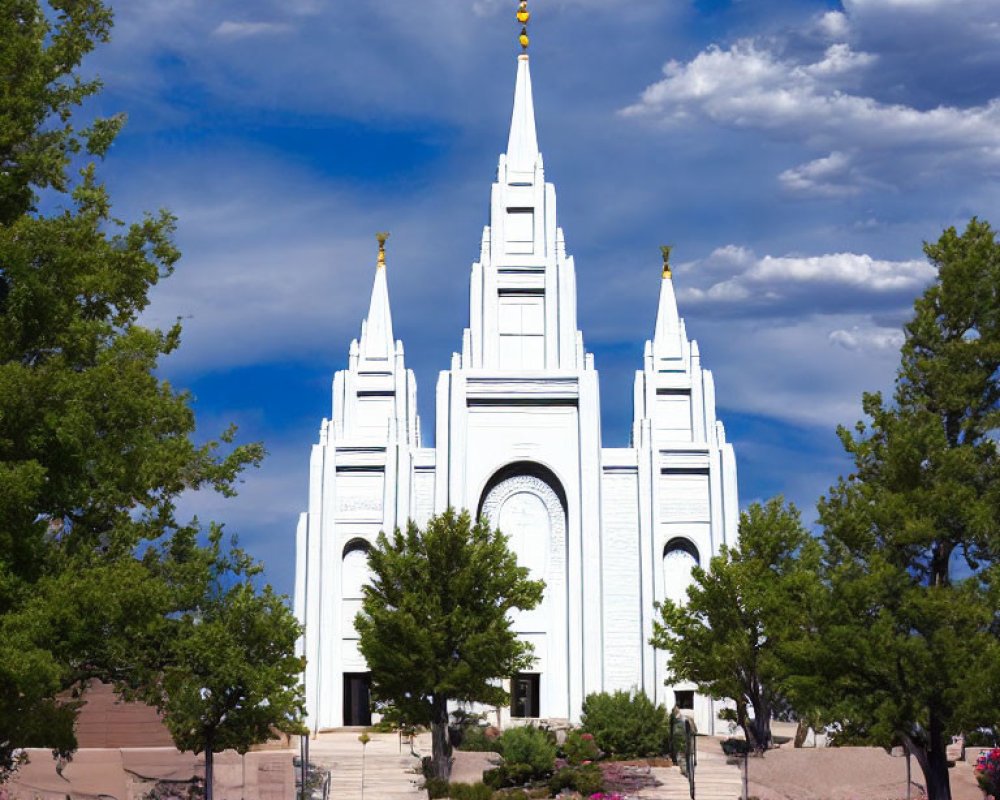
x=521 y=322
x=525 y=697
x=520 y=233
x=684 y=699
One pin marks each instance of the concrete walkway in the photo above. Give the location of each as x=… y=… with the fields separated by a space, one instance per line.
x=390 y=771
x=716 y=778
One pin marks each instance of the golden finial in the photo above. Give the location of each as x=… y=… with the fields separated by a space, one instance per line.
x=665 y=251
x=381 y=248
x=523 y=16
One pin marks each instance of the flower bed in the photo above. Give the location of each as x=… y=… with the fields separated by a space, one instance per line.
x=987 y=771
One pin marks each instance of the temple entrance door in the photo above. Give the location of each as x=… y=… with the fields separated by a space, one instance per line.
x=357 y=705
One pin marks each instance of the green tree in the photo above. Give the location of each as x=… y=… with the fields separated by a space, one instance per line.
x=727 y=637
x=228 y=675
x=435 y=621
x=908 y=649
x=94 y=448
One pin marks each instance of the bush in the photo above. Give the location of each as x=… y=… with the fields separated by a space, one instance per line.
x=436 y=788
x=531 y=746
x=982 y=737
x=735 y=747
x=580 y=747
x=470 y=791
x=474 y=739
x=627 y=725
x=586 y=780
x=509 y=775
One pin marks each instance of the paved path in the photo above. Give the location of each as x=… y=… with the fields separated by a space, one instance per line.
x=390 y=771
x=715 y=777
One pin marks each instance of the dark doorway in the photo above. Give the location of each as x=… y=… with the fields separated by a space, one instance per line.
x=357 y=707
x=525 y=695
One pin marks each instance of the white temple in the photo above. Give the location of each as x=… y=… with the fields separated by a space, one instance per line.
x=518 y=439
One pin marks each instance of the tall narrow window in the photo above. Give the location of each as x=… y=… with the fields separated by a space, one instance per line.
x=521 y=321
x=520 y=233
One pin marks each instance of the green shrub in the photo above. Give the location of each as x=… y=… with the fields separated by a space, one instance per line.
x=470 y=791
x=531 y=746
x=436 y=788
x=586 y=780
x=580 y=747
x=475 y=739
x=627 y=725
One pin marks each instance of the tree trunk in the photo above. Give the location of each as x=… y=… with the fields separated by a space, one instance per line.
x=760 y=727
x=209 y=764
x=933 y=763
x=440 y=746
x=801 y=732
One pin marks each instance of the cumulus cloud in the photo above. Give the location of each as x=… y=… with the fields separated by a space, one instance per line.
x=833 y=25
x=862 y=100
x=834 y=175
x=799 y=284
x=749 y=87
x=870 y=338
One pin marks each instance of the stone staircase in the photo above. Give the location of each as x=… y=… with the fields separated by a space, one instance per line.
x=390 y=771
x=716 y=778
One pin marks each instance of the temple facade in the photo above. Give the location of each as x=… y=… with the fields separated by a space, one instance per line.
x=518 y=440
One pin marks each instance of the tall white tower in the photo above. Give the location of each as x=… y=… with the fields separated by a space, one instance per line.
x=612 y=531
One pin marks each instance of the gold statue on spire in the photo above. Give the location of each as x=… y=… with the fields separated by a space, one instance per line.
x=523 y=16
x=665 y=252
x=381 y=248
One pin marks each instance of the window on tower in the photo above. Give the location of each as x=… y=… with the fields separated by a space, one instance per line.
x=520 y=233
x=521 y=321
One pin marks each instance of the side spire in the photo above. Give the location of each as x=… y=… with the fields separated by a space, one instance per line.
x=522 y=145
x=377 y=342
x=667 y=338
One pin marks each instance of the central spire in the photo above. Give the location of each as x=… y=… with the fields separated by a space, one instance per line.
x=522 y=145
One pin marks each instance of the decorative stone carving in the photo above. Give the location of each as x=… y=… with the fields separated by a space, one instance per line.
x=515 y=506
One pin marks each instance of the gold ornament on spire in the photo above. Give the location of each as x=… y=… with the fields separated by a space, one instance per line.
x=381 y=248
x=665 y=252
x=523 y=16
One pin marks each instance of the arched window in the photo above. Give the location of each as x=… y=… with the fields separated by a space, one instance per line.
x=527 y=503
x=354 y=569
x=679 y=557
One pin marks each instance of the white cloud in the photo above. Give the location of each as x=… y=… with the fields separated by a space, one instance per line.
x=816 y=102
x=772 y=281
x=834 y=175
x=834 y=25
x=868 y=338
x=241 y=30
x=750 y=87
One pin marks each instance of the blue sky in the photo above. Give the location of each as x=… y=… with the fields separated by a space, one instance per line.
x=795 y=152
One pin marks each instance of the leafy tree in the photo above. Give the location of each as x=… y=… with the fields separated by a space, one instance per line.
x=435 y=621
x=94 y=448
x=908 y=649
x=43 y=45
x=727 y=637
x=229 y=674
